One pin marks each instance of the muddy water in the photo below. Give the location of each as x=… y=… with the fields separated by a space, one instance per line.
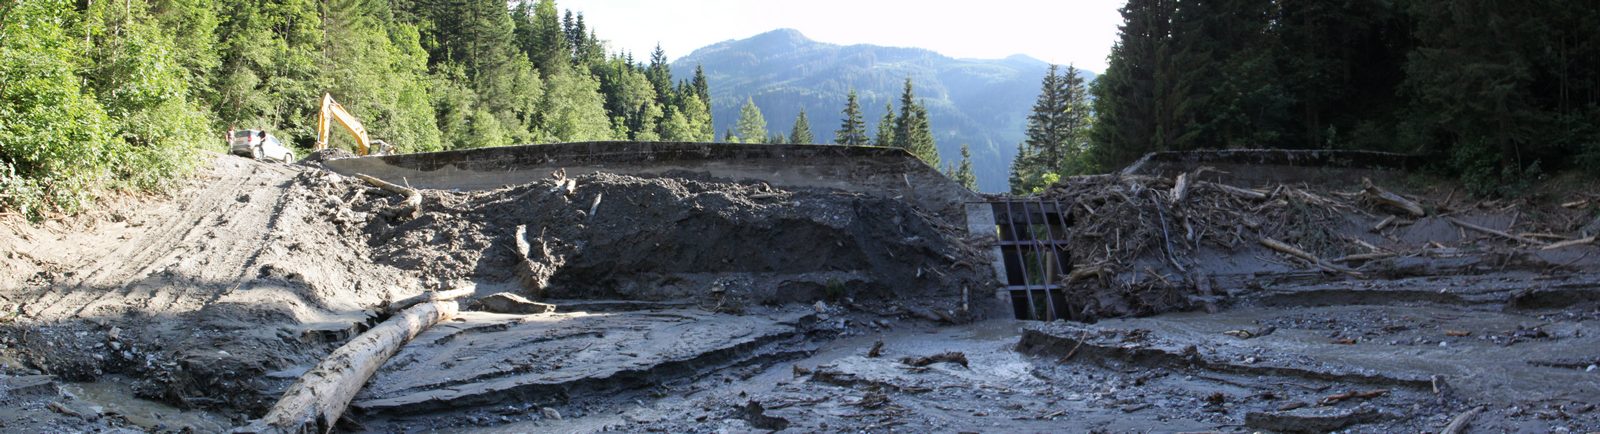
x=115 y=396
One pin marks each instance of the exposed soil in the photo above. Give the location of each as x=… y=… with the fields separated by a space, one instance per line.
x=688 y=303
x=216 y=297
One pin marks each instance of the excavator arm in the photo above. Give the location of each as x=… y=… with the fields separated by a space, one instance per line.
x=332 y=112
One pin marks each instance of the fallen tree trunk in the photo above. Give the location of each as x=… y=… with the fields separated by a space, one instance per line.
x=1501 y=234
x=449 y=294
x=1570 y=243
x=315 y=402
x=1285 y=248
x=1236 y=191
x=1385 y=197
x=413 y=199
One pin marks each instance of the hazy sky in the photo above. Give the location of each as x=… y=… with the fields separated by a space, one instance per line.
x=1059 y=31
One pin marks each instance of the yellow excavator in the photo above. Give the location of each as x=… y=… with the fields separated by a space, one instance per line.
x=333 y=112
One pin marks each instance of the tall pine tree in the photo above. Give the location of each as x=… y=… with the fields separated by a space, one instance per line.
x=911 y=129
x=886 y=126
x=801 y=133
x=751 y=127
x=852 y=130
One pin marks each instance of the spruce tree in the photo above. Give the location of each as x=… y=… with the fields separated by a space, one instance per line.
x=751 y=127
x=1130 y=101
x=801 y=133
x=1021 y=171
x=886 y=133
x=919 y=136
x=1046 y=132
x=852 y=130
x=905 y=122
x=702 y=88
x=963 y=173
x=660 y=75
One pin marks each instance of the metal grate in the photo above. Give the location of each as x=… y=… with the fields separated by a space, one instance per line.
x=1033 y=237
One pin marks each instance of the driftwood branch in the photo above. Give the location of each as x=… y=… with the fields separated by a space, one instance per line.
x=1236 y=191
x=1313 y=259
x=1459 y=424
x=1501 y=234
x=1363 y=257
x=1385 y=197
x=1180 y=188
x=445 y=295
x=315 y=402
x=1570 y=243
x=413 y=199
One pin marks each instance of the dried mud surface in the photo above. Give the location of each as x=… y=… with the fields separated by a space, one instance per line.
x=690 y=304
x=216 y=297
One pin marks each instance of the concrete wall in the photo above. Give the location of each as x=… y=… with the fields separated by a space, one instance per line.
x=879 y=171
x=1251 y=167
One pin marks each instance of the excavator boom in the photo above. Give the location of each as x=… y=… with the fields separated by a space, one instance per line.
x=333 y=112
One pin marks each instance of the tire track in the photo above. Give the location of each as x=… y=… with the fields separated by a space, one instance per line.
x=205 y=235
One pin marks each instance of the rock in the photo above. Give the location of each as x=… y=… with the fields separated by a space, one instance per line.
x=29 y=386
x=506 y=302
x=550 y=413
x=1313 y=419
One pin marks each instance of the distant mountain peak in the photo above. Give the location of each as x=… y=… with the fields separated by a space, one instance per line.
x=983 y=103
x=785 y=32
x=782 y=34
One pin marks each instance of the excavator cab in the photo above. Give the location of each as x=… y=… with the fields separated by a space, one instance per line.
x=332 y=113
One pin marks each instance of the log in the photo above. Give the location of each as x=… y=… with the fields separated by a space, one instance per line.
x=1236 y=191
x=1383 y=224
x=1501 y=234
x=1570 y=243
x=1180 y=188
x=1459 y=424
x=1385 y=197
x=1285 y=248
x=316 y=401
x=1363 y=257
x=445 y=295
x=413 y=199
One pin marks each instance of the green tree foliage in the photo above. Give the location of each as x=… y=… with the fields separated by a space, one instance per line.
x=1132 y=114
x=752 y=127
x=886 y=126
x=1494 y=88
x=963 y=172
x=90 y=100
x=574 y=110
x=911 y=129
x=1058 y=132
x=852 y=130
x=101 y=95
x=801 y=132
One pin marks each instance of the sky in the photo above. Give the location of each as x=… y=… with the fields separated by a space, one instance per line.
x=1078 y=32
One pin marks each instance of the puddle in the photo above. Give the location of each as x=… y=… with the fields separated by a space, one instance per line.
x=115 y=396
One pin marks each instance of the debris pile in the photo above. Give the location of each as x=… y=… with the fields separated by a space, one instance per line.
x=1143 y=245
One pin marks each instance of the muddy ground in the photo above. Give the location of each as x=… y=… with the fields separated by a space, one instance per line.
x=691 y=304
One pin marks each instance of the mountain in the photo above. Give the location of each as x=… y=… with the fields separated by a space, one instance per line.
x=983 y=103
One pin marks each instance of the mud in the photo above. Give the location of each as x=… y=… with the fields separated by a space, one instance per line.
x=213 y=299
x=687 y=301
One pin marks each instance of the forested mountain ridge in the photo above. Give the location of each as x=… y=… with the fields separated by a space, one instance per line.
x=983 y=103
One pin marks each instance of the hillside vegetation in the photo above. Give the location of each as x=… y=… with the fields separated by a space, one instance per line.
x=1499 y=91
x=99 y=96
